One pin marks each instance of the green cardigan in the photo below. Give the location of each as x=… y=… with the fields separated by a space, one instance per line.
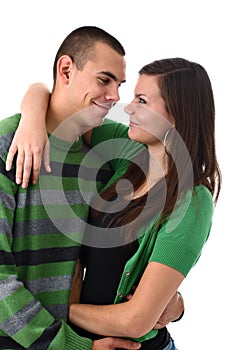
x=179 y=241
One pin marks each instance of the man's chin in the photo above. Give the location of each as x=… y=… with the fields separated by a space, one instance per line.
x=100 y=123
x=96 y=125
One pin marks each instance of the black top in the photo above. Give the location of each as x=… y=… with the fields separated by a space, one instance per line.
x=103 y=271
x=104 y=268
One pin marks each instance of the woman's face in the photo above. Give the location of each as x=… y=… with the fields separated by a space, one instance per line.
x=149 y=119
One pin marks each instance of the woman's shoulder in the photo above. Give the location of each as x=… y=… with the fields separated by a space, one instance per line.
x=203 y=191
x=203 y=195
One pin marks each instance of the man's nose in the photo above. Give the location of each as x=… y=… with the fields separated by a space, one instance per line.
x=113 y=94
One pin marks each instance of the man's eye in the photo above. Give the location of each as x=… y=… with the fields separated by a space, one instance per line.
x=104 y=80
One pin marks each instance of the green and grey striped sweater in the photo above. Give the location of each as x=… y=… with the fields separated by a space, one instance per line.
x=40 y=231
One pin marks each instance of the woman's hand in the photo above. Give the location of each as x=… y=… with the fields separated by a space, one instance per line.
x=29 y=145
x=31 y=140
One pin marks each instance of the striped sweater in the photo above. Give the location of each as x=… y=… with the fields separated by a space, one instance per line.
x=41 y=229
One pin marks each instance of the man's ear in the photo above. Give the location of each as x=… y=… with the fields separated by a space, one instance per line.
x=65 y=66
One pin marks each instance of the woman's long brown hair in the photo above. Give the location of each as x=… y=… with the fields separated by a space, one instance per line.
x=187 y=92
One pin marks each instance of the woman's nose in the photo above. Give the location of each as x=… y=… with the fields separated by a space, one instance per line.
x=129 y=108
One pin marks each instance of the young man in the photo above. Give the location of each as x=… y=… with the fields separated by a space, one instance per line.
x=39 y=222
x=37 y=259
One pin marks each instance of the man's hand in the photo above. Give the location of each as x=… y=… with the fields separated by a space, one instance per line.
x=114 y=343
x=76 y=284
x=172 y=311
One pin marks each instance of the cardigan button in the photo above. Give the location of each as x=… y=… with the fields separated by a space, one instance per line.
x=120 y=295
x=127 y=273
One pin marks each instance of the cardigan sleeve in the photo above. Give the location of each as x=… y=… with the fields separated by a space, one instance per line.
x=182 y=236
x=111 y=141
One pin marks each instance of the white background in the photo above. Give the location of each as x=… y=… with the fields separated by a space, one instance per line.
x=201 y=30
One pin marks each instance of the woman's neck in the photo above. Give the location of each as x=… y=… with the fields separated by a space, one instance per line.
x=157 y=170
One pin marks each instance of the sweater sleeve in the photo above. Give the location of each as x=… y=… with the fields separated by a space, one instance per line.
x=111 y=141
x=24 y=322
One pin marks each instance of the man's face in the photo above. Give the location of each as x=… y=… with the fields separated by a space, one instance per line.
x=96 y=86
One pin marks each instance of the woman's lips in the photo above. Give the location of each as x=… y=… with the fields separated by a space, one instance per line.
x=132 y=123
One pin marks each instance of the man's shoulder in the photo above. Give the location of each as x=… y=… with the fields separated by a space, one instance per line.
x=10 y=124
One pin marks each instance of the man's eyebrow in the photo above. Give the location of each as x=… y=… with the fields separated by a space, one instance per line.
x=112 y=76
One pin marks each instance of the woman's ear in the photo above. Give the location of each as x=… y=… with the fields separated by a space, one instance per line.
x=172 y=121
x=64 y=68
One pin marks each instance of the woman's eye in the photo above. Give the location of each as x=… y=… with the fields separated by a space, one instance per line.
x=141 y=100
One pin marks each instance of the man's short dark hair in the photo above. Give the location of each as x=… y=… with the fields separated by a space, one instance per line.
x=80 y=44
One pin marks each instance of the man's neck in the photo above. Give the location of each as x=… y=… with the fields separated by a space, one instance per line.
x=61 y=125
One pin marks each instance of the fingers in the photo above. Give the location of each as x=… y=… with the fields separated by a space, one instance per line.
x=159 y=325
x=164 y=320
x=32 y=165
x=23 y=164
x=26 y=169
x=35 y=167
x=37 y=157
x=124 y=344
x=111 y=343
x=28 y=163
x=129 y=296
x=19 y=166
x=161 y=322
x=10 y=156
x=46 y=157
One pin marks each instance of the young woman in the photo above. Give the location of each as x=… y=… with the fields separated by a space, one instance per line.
x=161 y=216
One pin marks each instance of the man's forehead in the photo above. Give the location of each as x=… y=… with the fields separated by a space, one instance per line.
x=105 y=52
x=109 y=62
